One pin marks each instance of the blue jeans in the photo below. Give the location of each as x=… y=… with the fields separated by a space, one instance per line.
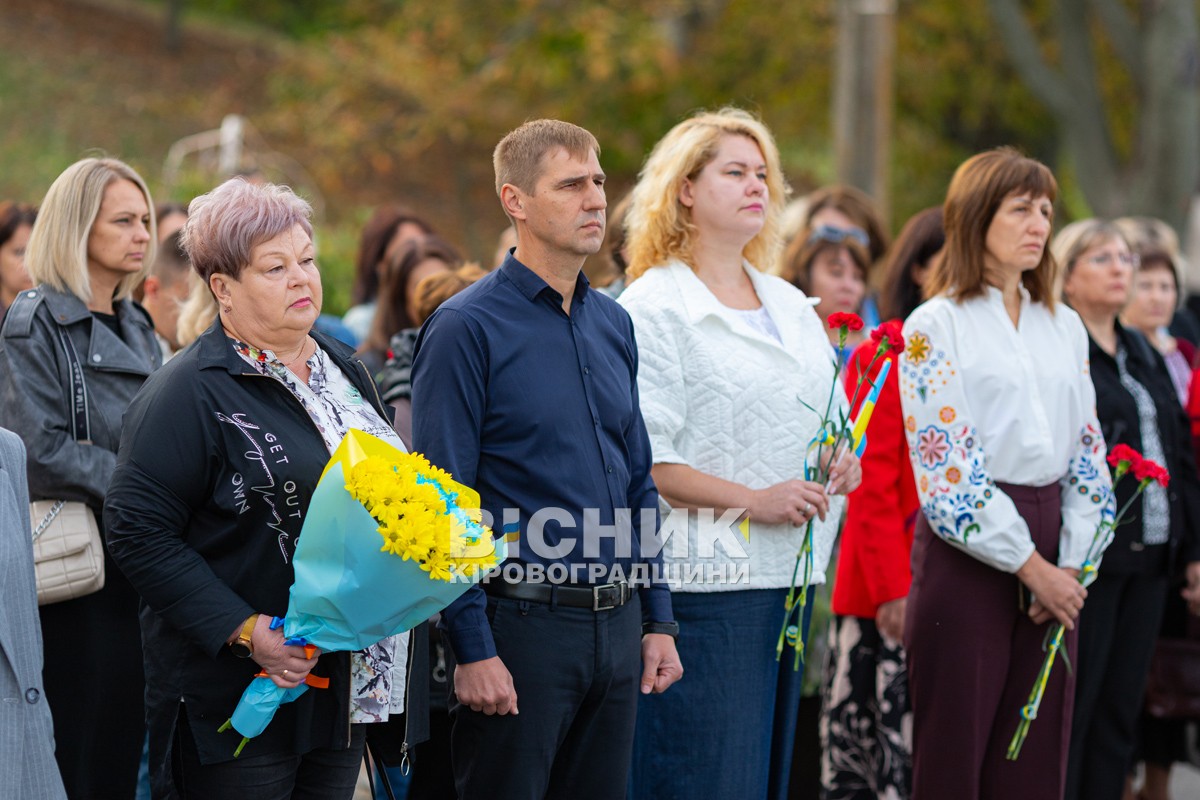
x=726 y=729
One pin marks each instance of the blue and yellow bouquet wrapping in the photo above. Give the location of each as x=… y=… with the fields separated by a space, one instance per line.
x=388 y=541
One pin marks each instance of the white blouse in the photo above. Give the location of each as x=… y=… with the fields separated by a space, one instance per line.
x=987 y=401
x=378 y=674
x=727 y=397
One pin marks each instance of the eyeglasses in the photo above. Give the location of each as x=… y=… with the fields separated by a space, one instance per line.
x=1106 y=259
x=829 y=233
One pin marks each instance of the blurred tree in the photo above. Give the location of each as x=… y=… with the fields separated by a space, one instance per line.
x=1120 y=81
x=432 y=87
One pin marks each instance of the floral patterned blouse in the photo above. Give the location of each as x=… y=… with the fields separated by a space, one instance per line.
x=377 y=674
x=987 y=401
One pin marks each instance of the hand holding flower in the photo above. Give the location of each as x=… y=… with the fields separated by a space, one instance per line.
x=286 y=665
x=846 y=475
x=793 y=501
x=1057 y=592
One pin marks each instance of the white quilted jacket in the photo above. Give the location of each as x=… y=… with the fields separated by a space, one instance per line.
x=721 y=397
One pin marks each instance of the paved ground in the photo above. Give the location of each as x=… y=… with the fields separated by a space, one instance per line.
x=1185 y=782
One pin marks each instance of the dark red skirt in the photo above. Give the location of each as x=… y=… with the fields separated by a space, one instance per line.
x=973 y=656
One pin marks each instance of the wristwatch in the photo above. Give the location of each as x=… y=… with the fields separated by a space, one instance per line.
x=242 y=646
x=669 y=628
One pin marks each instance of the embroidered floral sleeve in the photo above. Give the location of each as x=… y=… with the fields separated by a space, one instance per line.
x=958 y=496
x=1087 y=495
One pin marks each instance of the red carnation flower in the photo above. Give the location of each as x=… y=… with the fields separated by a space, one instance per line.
x=1160 y=474
x=840 y=319
x=1124 y=452
x=889 y=336
x=1145 y=469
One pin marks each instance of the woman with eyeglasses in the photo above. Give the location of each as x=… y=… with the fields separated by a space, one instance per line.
x=1137 y=405
x=849 y=213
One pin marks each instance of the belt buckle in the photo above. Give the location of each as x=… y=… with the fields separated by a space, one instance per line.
x=596 y=606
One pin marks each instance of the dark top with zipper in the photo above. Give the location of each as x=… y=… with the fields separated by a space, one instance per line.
x=1118 y=415
x=215 y=472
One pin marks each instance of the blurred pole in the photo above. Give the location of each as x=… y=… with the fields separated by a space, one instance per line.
x=863 y=96
x=174 y=17
x=230 y=159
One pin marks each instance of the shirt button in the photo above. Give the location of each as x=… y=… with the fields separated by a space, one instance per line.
x=586 y=371
x=610 y=469
x=96 y=358
x=32 y=696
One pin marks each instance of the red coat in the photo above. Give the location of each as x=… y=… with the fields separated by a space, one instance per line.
x=873 y=565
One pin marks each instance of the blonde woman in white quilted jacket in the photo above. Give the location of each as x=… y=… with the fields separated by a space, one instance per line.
x=728 y=353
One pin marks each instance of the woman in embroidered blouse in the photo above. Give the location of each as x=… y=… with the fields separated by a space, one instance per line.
x=1010 y=470
x=1137 y=406
x=218 y=460
x=725 y=352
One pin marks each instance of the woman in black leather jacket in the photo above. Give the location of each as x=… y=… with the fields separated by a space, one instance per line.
x=89 y=248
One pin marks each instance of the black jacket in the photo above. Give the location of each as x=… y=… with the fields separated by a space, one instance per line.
x=1118 y=415
x=214 y=475
x=35 y=382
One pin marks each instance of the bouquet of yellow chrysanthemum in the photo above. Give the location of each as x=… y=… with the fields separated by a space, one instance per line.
x=416 y=507
x=388 y=541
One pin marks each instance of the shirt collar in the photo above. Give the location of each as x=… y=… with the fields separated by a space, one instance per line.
x=995 y=294
x=530 y=284
x=66 y=307
x=699 y=302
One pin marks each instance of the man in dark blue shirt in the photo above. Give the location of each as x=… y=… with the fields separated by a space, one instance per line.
x=524 y=387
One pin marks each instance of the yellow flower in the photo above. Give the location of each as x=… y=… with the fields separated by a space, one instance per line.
x=918 y=348
x=416 y=522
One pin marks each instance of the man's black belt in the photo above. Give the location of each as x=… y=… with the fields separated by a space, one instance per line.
x=597 y=598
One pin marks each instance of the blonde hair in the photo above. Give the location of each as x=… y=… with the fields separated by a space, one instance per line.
x=57 y=254
x=517 y=159
x=660 y=228
x=1076 y=238
x=433 y=290
x=197 y=313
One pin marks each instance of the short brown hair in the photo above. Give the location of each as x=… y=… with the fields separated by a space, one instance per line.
x=976 y=191
x=518 y=158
